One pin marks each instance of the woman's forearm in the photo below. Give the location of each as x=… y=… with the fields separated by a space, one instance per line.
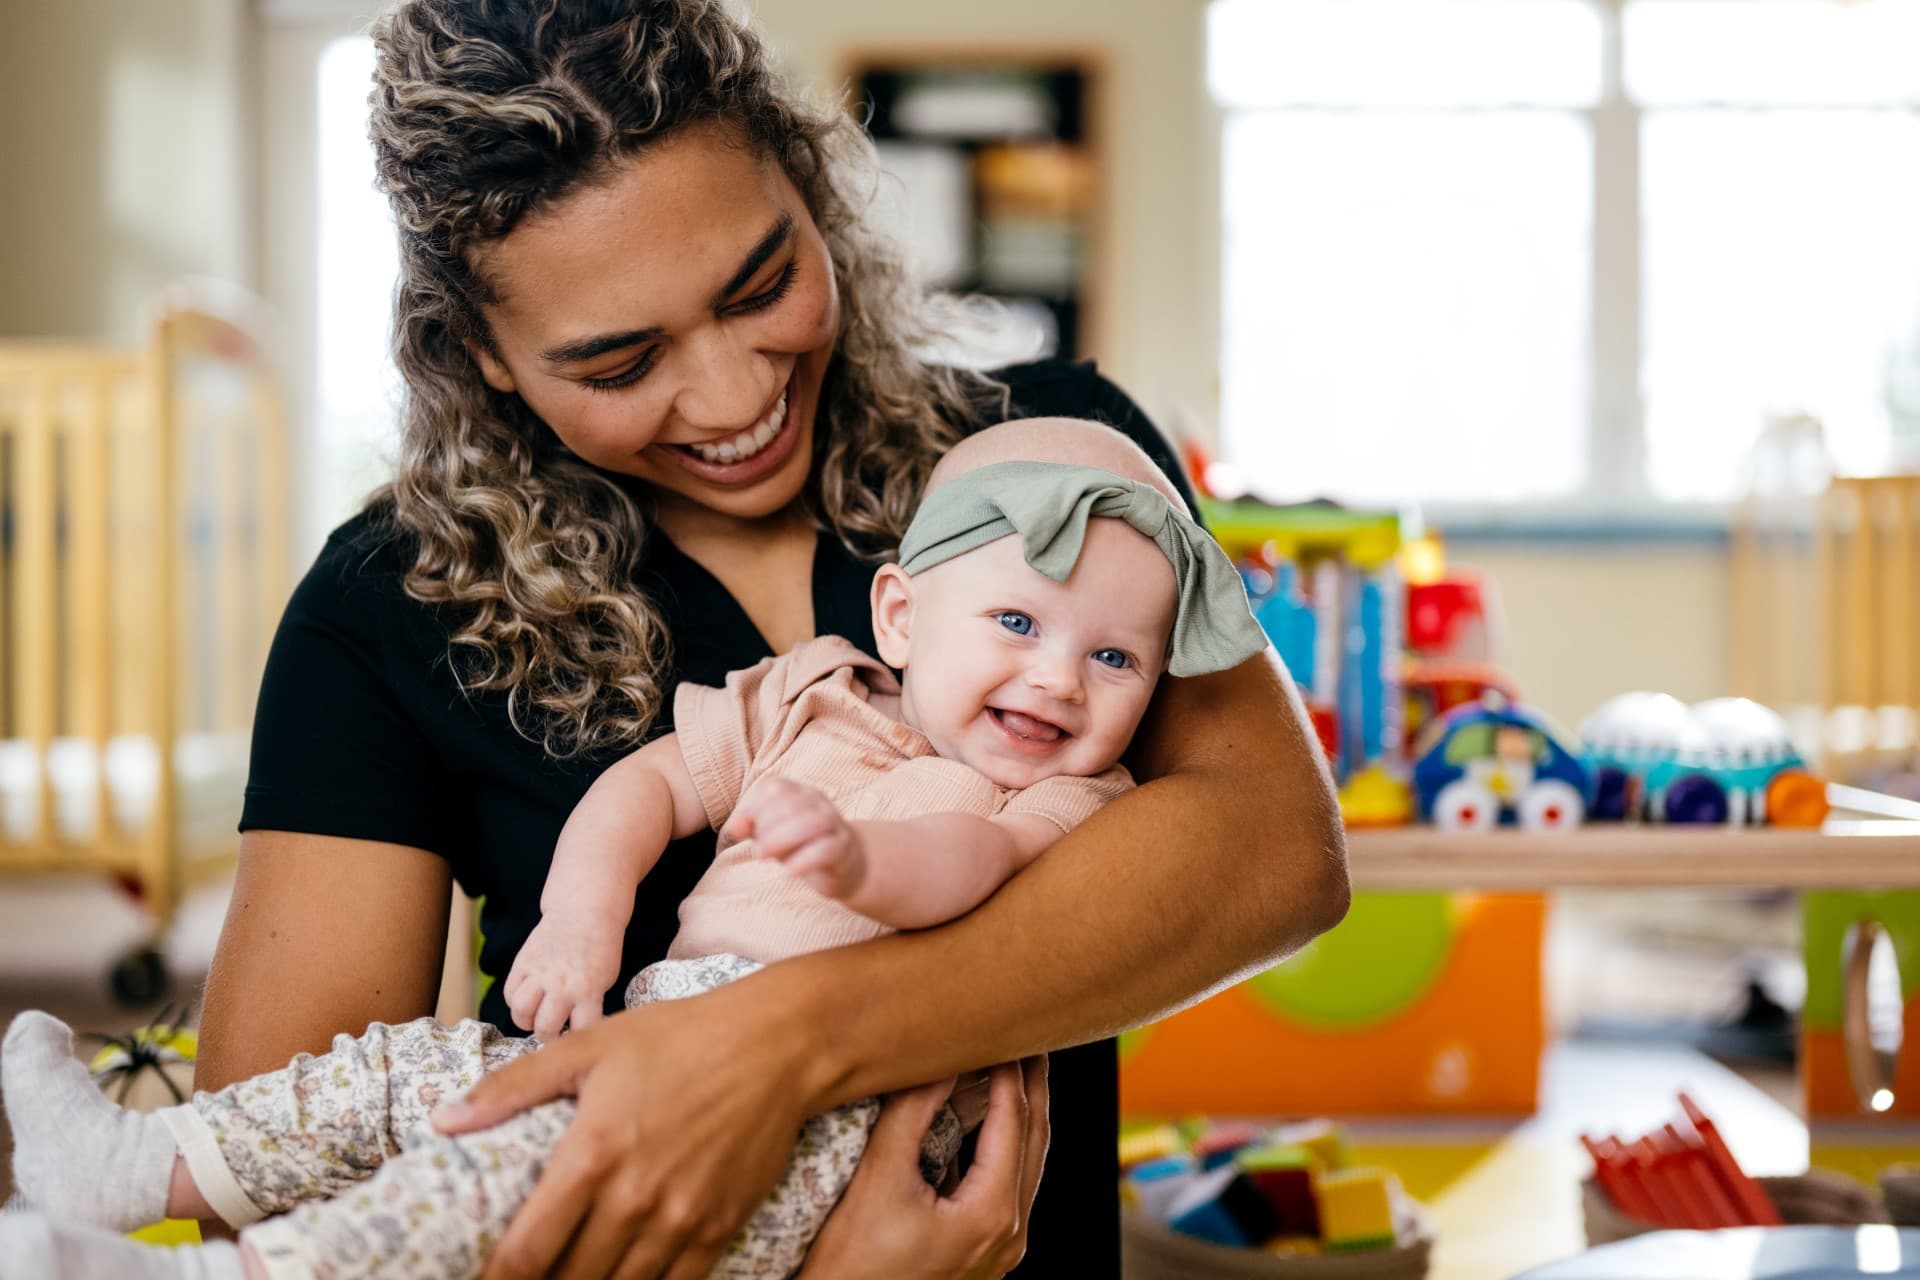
x=1231 y=857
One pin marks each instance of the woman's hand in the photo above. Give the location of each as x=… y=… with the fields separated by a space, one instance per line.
x=688 y=1111
x=891 y=1225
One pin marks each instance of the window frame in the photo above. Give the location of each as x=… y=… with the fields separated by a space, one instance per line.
x=1618 y=502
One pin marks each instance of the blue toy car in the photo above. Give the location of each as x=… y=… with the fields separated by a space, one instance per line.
x=1489 y=763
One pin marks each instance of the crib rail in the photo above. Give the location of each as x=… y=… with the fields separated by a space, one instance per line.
x=142 y=564
x=1826 y=616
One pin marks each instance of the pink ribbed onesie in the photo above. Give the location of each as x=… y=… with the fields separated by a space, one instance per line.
x=806 y=716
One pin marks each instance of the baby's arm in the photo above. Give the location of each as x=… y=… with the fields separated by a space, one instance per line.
x=909 y=875
x=611 y=840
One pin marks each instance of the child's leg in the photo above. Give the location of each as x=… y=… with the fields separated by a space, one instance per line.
x=254 y=1148
x=76 y=1156
x=433 y=1212
x=34 y=1248
x=321 y=1124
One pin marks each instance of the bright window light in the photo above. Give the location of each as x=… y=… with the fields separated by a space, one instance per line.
x=357 y=267
x=1773 y=52
x=1404 y=53
x=1782 y=274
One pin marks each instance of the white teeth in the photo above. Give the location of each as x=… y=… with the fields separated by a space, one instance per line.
x=749 y=442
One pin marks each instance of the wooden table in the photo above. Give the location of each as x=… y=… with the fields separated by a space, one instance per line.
x=1860 y=853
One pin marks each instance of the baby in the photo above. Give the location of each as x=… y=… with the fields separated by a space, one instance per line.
x=1031 y=636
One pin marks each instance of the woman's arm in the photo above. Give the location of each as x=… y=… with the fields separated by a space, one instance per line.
x=323 y=936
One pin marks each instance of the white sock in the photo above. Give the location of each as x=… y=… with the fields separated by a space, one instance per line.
x=33 y=1248
x=76 y=1156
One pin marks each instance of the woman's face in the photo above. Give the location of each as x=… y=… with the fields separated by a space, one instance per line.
x=672 y=322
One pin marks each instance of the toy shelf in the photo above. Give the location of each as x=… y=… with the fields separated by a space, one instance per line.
x=1848 y=852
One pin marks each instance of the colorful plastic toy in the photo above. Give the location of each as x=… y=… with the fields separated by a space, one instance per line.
x=1489 y=763
x=1356 y=1209
x=1277 y=1195
x=1728 y=760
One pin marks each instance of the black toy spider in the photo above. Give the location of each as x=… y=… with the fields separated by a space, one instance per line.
x=153 y=1047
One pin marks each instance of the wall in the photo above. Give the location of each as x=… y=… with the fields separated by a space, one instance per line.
x=1585 y=622
x=125 y=158
x=1158 y=262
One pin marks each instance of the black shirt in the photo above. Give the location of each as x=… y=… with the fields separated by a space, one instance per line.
x=363 y=732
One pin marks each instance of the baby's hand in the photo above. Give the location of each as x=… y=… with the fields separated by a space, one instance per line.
x=798 y=826
x=561 y=974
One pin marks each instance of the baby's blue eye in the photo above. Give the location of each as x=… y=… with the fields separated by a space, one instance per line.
x=1018 y=623
x=1112 y=657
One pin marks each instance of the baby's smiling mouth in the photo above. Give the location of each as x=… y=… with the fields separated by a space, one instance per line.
x=1027 y=728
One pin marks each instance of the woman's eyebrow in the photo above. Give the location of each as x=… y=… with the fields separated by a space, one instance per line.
x=770 y=244
x=587 y=348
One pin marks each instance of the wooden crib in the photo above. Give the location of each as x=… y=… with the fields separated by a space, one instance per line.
x=1826 y=618
x=142 y=568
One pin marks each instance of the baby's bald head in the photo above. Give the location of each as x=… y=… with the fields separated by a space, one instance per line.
x=1075 y=441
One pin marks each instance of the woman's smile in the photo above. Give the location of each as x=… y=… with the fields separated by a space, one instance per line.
x=747 y=456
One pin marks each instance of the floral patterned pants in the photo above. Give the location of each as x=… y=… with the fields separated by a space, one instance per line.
x=339 y=1148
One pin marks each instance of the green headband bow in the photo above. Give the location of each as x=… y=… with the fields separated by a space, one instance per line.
x=1049 y=503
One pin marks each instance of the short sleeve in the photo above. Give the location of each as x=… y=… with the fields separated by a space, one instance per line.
x=1068 y=801
x=720 y=730
x=335 y=751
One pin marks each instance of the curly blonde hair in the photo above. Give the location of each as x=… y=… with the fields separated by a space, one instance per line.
x=485 y=111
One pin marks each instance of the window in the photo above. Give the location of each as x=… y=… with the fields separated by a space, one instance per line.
x=356 y=383
x=1563 y=251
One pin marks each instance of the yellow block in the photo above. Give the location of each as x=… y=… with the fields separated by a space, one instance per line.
x=1356 y=1205
x=1150 y=1144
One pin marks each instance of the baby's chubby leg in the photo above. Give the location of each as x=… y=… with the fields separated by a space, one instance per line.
x=76 y=1156
x=433 y=1212
x=257 y=1147
x=321 y=1124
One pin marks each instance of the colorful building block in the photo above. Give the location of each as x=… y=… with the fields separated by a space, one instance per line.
x=1153 y=1187
x=1150 y=1144
x=1285 y=1176
x=1323 y=1139
x=1225 y=1208
x=1356 y=1209
x=1218 y=1144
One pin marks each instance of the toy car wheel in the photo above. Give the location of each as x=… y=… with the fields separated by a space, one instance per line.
x=1612 y=798
x=1465 y=806
x=1698 y=799
x=1552 y=805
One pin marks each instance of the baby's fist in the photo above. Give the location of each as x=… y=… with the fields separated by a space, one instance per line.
x=798 y=826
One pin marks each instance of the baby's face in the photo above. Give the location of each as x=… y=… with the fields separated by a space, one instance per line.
x=1024 y=678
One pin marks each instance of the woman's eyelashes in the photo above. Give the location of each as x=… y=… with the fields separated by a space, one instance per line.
x=626 y=377
x=747 y=306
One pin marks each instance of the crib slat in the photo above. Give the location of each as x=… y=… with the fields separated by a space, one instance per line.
x=158 y=866
x=1897 y=642
x=88 y=590
x=35 y=621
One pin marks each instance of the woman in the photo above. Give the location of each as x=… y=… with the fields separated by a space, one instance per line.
x=663 y=416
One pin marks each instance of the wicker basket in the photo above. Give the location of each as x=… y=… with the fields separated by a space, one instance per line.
x=1149 y=1251
x=1818 y=1197
x=1900 y=1185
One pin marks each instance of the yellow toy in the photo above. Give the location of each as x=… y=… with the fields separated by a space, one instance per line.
x=1356 y=1209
